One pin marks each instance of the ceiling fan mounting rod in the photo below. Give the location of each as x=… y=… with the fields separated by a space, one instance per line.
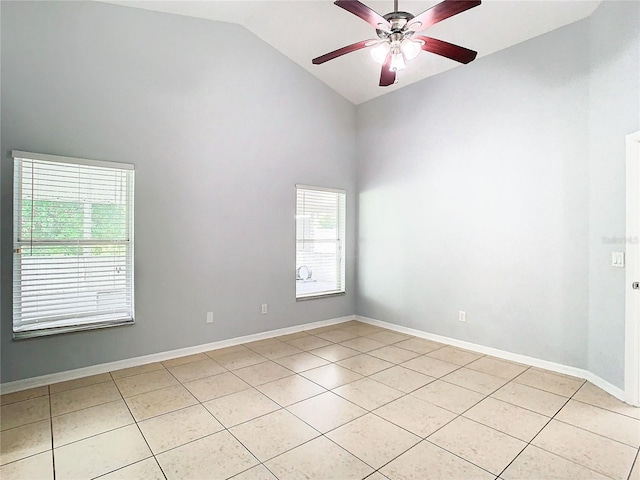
x=395 y=5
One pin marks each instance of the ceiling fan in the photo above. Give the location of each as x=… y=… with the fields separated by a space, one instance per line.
x=397 y=42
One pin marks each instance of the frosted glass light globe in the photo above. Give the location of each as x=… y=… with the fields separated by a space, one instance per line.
x=410 y=49
x=379 y=52
x=397 y=62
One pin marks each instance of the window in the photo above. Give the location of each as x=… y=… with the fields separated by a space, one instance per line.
x=320 y=232
x=73 y=244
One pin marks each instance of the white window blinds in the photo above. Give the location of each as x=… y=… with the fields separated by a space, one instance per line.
x=320 y=241
x=73 y=244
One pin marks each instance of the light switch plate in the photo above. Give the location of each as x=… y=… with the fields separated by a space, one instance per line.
x=617 y=259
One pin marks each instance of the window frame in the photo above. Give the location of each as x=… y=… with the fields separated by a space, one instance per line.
x=341 y=222
x=80 y=322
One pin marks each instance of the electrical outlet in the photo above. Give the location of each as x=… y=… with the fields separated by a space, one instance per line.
x=264 y=309
x=209 y=317
x=462 y=316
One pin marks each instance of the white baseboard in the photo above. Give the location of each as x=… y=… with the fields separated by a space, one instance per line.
x=24 y=384
x=49 y=379
x=513 y=357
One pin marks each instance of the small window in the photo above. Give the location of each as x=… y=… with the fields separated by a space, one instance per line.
x=320 y=235
x=73 y=244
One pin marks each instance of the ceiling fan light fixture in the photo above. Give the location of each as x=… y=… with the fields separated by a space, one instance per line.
x=397 y=61
x=379 y=52
x=410 y=49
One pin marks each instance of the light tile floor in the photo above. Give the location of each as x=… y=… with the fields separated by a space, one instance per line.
x=349 y=401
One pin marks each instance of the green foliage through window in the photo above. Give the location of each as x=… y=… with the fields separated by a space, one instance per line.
x=51 y=220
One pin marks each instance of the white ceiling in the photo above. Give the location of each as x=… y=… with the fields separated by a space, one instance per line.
x=304 y=29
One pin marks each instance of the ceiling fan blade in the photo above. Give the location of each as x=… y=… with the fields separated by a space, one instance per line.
x=446 y=49
x=387 y=76
x=361 y=10
x=342 y=51
x=440 y=12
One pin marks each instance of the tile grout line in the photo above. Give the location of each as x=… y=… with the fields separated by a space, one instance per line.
x=585 y=429
x=529 y=386
x=469 y=408
x=591 y=432
x=404 y=394
x=85 y=386
x=24 y=399
x=282 y=407
x=460 y=457
x=104 y=431
x=50 y=418
x=321 y=434
x=81 y=386
x=53 y=455
x=228 y=429
x=553 y=453
x=225 y=428
x=31 y=422
x=548 y=391
x=458 y=415
x=139 y=430
x=602 y=408
x=543 y=427
x=634 y=464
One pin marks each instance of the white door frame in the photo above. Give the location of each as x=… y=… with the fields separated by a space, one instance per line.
x=632 y=297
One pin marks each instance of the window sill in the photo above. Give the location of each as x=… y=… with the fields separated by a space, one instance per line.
x=44 y=332
x=320 y=295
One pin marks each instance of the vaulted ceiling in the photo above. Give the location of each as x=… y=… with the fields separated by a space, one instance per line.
x=302 y=30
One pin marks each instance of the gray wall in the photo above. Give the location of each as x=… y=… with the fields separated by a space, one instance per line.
x=614 y=112
x=219 y=136
x=473 y=195
x=489 y=188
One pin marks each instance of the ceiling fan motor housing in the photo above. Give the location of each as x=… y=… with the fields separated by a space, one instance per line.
x=398 y=21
